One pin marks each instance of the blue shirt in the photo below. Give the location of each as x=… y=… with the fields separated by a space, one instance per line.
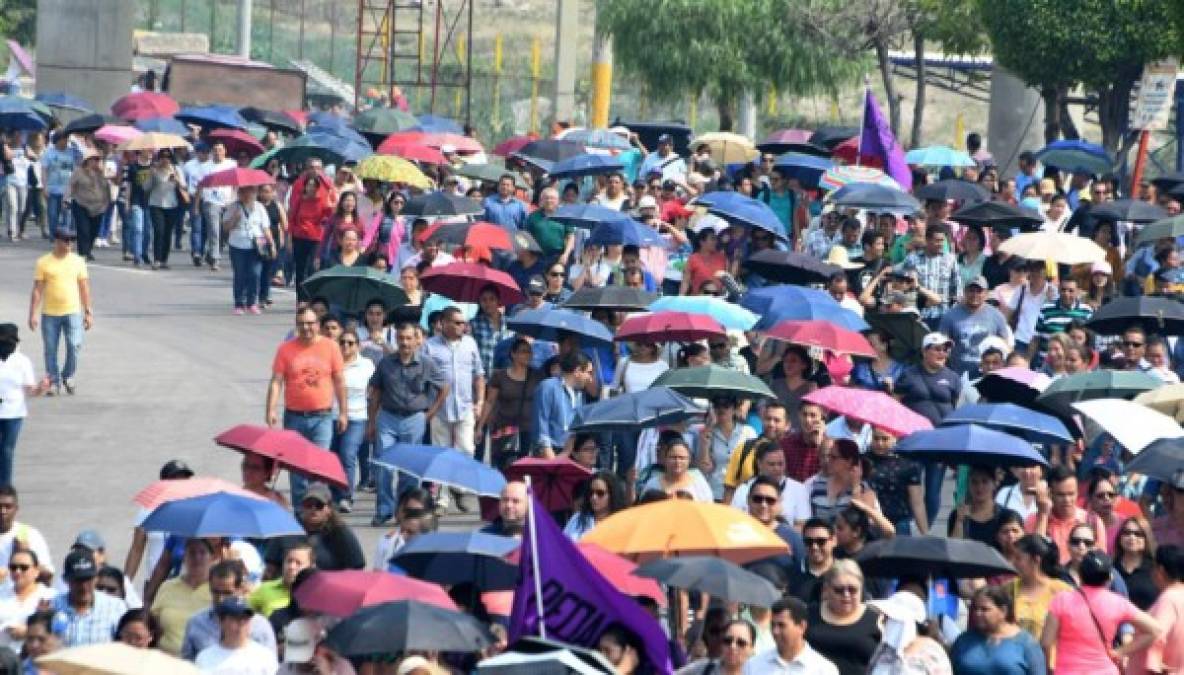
x=96 y=626
x=510 y=214
x=974 y=654
x=460 y=363
x=554 y=407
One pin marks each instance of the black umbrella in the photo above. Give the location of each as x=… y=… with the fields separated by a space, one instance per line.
x=91 y=123
x=545 y=152
x=460 y=557
x=830 y=136
x=931 y=557
x=394 y=627
x=789 y=267
x=616 y=298
x=1131 y=210
x=649 y=132
x=442 y=204
x=715 y=576
x=1157 y=315
x=1168 y=182
x=998 y=213
x=906 y=331
x=953 y=188
x=656 y=406
x=1161 y=459
x=271 y=119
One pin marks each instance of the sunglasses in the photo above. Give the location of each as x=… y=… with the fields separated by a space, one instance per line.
x=735 y=642
x=19 y=568
x=1133 y=533
x=1080 y=541
x=763 y=499
x=816 y=541
x=845 y=590
x=597 y=493
x=1105 y=495
x=1131 y=343
x=554 y=274
x=314 y=504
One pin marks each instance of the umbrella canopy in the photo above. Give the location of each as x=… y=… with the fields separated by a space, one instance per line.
x=396 y=627
x=91 y=123
x=470 y=235
x=669 y=326
x=438 y=124
x=154 y=141
x=750 y=213
x=711 y=381
x=117 y=134
x=728 y=314
x=549 y=324
x=144 y=104
x=969 y=444
x=624 y=231
x=614 y=298
x=384 y=121
x=413 y=152
x=1061 y=247
x=585 y=165
x=212 y=117
x=828 y=136
x=823 y=335
x=272 y=119
x=463 y=282
x=775 y=304
x=164 y=125
x=1167 y=228
x=807 y=169
x=222 y=515
x=878 y=198
x=352 y=288
x=236 y=142
x=1031 y=425
x=19 y=114
x=435 y=139
x=289 y=449
x=1076 y=155
x=587 y=215
x=1097 y=384
x=1128 y=210
x=171 y=490
x=391 y=169
x=938 y=156
x=656 y=406
x=445 y=466
x=931 y=556
x=1168 y=399
x=674 y=527
x=714 y=576
x=64 y=101
x=1157 y=315
x=726 y=147
x=997 y=214
x=838 y=176
x=340 y=593
x=784 y=140
x=237 y=178
x=790 y=267
x=870 y=407
x=848 y=152
x=490 y=173
x=114 y=658
x=545 y=152
x=954 y=189
x=1014 y=383
x=1131 y=424
x=512 y=145
x=553 y=481
x=558 y=659
x=442 y=204
x=1160 y=460
x=460 y=557
x=621 y=573
x=905 y=331
x=602 y=139
x=327 y=147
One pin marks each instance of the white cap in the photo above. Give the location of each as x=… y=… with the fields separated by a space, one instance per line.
x=709 y=221
x=935 y=338
x=1102 y=267
x=300 y=640
x=647 y=202
x=993 y=342
x=411 y=664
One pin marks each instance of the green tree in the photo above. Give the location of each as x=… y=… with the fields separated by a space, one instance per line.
x=722 y=48
x=18 y=20
x=1102 y=45
x=943 y=23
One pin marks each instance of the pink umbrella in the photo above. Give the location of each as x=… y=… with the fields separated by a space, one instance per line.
x=554 y=481
x=513 y=144
x=870 y=407
x=341 y=593
x=170 y=490
x=824 y=335
x=145 y=104
x=116 y=134
x=237 y=141
x=289 y=449
x=237 y=178
x=669 y=326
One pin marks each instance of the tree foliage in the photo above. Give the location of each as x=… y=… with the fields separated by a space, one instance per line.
x=18 y=20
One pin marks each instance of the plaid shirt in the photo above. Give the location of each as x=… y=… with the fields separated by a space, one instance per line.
x=936 y=274
x=487 y=336
x=95 y=626
x=818 y=242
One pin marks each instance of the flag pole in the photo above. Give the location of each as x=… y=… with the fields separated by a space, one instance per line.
x=534 y=560
x=867 y=87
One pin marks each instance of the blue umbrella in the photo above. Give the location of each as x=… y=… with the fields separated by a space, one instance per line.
x=585 y=165
x=221 y=514
x=598 y=138
x=938 y=155
x=445 y=466
x=774 y=304
x=720 y=198
x=1076 y=155
x=329 y=147
x=57 y=99
x=22 y=121
x=212 y=117
x=636 y=411
x=547 y=324
x=460 y=557
x=624 y=231
x=969 y=444
x=749 y=212
x=1032 y=426
x=807 y=169
x=586 y=215
x=878 y=198
x=164 y=125
x=326 y=120
x=439 y=125
x=730 y=315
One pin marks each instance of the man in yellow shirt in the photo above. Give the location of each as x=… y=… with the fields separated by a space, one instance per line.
x=742 y=462
x=61 y=294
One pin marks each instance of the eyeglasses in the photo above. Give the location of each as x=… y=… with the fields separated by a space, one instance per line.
x=816 y=541
x=1131 y=343
x=845 y=590
x=762 y=499
x=347 y=343
x=1133 y=533
x=1105 y=495
x=554 y=274
x=735 y=642
x=109 y=590
x=314 y=504
x=1080 y=541
x=19 y=568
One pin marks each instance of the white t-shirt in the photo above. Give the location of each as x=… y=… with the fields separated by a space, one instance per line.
x=14 y=612
x=32 y=538
x=252 y=223
x=16 y=373
x=219 y=195
x=795 y=500
x=250 y=659
x=357 y=378
x=1025 y=328
x=634 y=377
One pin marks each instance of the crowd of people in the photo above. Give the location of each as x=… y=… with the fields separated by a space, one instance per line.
x=1098 y=583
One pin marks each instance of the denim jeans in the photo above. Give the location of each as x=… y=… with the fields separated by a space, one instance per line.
x=52 y=330
x=211 y=222
x=266 y=274
x=246 y=263
x=318 y=430
x=133 y=233
x=197 y=233
x=10 y=429
x=346 y=446
x=393 y=429
x=935 y=475
x=56 y=216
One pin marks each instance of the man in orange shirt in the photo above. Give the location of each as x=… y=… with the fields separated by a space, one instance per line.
x=309 y=370
x=1057 y=512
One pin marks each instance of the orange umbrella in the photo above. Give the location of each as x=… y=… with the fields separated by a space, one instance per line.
x=170 y=490
x=675 y=527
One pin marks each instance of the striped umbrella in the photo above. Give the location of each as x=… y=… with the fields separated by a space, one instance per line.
x=838 y=176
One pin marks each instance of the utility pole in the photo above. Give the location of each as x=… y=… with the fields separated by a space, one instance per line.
x=567 y=29
x=244 y=28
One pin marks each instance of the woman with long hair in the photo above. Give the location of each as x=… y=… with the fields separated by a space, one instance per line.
x=509 y=402
x=345 y=217
x=880 y=373
x=139 y=629
x=603 y=495
x=972 y=257
x=386 y=230
x=257 y=473
x=979 y=515
x=249 y=240
x=1056 y=361
x=166 y=185
x=1037 y=581
x=334 y=542
x=20 y=598
x=347 y=443
x=1134 y=560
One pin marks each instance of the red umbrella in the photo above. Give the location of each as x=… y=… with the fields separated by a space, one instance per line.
x=669 y=327
x=824 y=335
x=300 y=116
x=145 y=104
x=847 y=150
x=463 y=144
x=170 y=490
x=870 y=407
x=463 y=282
x=472 y=235
x=236 y=178
x=289 y=449
x=237 y=141
x=413 y=152
x=341 y=593
x=513 y=144
x=553 y=480
x=619 y=572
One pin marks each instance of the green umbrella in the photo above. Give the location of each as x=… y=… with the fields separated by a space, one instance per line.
x=262 y=160
x=384 y=121
x=489 y=172
x=710 y=381
x=351 y=288
x=1097 y=384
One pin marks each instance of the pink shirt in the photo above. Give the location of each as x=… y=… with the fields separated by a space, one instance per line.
x=1080 y=650
x=1167 y=653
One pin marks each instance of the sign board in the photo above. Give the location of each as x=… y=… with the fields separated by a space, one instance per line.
x=1157 y=88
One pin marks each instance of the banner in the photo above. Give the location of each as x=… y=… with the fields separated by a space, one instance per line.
x=877 y=140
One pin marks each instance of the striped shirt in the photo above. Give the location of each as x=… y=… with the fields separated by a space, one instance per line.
x=1055 y=318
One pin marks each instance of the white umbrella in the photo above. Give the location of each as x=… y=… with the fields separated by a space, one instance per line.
x=1068 y=249
x=1132 y=425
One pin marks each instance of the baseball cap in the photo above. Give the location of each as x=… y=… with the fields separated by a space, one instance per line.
x=536 y=285
x=300 y=640
x=935 y=338
x=90 y=540
x=233 y=606
x=665 y=138
x=80 y=565
x=1101 y=267
x=647 y=202
x=317 y=490
x=175 y=468
x=411 y=664
x=993 y=343
x=979 y=281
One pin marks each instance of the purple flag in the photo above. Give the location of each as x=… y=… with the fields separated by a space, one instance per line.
x=877 y=141
x=578 y=602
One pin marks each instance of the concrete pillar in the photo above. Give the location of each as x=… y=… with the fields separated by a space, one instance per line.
x=84 y=47
x=1015 y=121
x=567 y=30
x=244 y=29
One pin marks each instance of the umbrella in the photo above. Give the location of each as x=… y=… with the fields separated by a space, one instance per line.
x=553 y=481
x=154 y=141
x=561 y=659
x=585 y=165
x=545 y=152
x=997 y=214
x=442 y=204
x=785 y=140
x=1076 y=155
x=352 y=288
x=838 y=176
x=750 y=213
x=406 y=625
x=621 y=572
x=614 y=298
x=271 y=119
x=477 y=234
x=414 y=153
x=1061 y=247
x=289 y=449
x=587 y=215
x=384 y=121
x=727 y=147
x=144 y=104
x=1014 y=383
x=329 y=147
x=931 y=556
x=877 y=198
x=512 y=145
x=905 y=330
x=790 y=267
x=675 y=527
x=57 y=99
x=90 y=123
x=954 y=189
x=969 y=444
x=1131 y=424
x=113 y=658
x=1157 y=315
x=222 y=515
x=1168 y=399
x=870 y=407
x=938 y=156
x=434 y=139
x=1160 y=460
x=1128 y=210
x=728 y=314
x=1031 y=425
x=445 y=466
x=460 y=557
x=1168 y=181
x=391 y=169
x=550 y=324
x=823 y=335
x=21 y=121
x=236 y=178
x=463 y=282
x=624 y=231
x=828 y=136
x=490 y=173
x=1097 y=384
x=653 y=407
x=171 y=490
x=649 y=132
x=340 y=593
x=807 y=169
x=117 y=135
x=714 y=576
x=212 y=117
x=437 y=124
x=164 y=125
x=602 y=139
x=669 y=326
x=1168 y=228
x=236 y=142
x=711 y=381
x=794 y=303
x=324 y=119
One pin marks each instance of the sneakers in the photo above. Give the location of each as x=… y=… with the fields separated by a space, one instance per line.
x=101 y=243
x=345 y=506
x=379 y=521
x=254 y=309
x=239 y=311
x=69 y=384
